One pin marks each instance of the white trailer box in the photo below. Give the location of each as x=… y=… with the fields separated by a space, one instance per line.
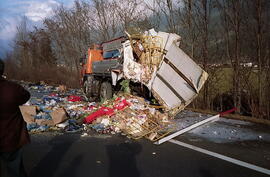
x=176 y=81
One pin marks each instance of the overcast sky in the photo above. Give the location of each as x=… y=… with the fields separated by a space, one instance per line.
x=11 y=12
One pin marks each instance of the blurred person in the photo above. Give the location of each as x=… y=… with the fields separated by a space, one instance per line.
x=13 y=131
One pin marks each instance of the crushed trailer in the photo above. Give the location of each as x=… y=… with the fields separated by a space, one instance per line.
x=153 y=59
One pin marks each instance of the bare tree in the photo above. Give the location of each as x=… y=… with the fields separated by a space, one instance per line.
x=129 y=13
x=70 y=32
x=187 y=20
x=166 y=9
x=21 y=43
x=40 y=48
x=232 y=23
x=106 y=23
x=203 y=10
x=260 y=16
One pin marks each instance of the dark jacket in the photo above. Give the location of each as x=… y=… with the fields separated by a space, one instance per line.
x=13 y=131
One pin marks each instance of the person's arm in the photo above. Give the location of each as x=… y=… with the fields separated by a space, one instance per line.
x=22 y=95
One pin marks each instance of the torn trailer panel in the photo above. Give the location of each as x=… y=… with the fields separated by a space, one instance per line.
x=178 y=79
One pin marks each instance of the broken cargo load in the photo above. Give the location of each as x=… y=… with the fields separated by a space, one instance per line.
x=69 y=111
x=169 y=73
x=153 y=59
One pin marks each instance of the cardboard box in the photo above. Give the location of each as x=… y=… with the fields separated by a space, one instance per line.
x=59 y=115
x=28 y=113
x=62 y=88
x=44 y=122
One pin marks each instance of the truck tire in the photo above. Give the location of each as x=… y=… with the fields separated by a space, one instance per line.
x=87 y=87
x=106 y=91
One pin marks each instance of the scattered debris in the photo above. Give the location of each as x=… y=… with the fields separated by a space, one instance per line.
x=99 y=162
x=84 y=135
x=127 y=114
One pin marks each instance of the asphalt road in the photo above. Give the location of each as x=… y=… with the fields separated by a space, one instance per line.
x=70 y=155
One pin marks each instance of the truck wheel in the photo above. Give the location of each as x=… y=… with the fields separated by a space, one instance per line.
x=106 y=91
x=87 y=88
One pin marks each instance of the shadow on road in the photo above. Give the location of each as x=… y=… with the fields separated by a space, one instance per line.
x=122 y=159
x=51 y=161
x=71 y=170
x=206 y=173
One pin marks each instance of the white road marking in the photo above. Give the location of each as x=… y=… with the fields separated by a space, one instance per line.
x=222 y=157
x=210 y=119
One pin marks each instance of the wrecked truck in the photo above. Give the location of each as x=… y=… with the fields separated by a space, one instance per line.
x=152 y=59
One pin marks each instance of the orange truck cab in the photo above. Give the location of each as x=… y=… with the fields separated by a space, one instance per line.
x=94 y=54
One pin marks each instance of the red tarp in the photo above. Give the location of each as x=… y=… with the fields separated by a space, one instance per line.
x=119 y=105
x=74 y=98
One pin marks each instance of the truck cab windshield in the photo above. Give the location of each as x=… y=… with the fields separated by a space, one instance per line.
x=111 y=54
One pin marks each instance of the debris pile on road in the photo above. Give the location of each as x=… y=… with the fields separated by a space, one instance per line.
x=127 y=114
x=131 y=115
